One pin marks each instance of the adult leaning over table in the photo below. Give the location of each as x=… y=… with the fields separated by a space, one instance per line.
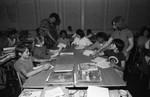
x=49 y=26
x=121 y=32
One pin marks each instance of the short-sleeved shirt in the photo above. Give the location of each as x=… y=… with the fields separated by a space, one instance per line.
x=21 y=64
x=64 y=41
x=117 y=57
x=45 y=23
x=82 y=42
x=124 y=35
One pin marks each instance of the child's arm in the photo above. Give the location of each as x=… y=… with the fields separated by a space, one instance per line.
x=121 y=68
x=33 y=72
x=40 y=60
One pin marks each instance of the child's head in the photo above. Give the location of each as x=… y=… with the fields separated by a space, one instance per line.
x=117 y=44
x=89 y=31
x=63 y=34
x=101 y=37
x=22 y=51
x=80 y=33
x=69 y=28
x=39 y=40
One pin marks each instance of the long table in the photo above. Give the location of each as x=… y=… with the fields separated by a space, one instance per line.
x=110 y=78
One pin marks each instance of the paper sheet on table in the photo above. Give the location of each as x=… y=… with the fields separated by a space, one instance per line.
x=9 y=48
x=54 y=92
x=66 y=53
x=101 y=62
x=37 y=67
x=99 y=59
x=79 y=47
x=31 y=93
x=88 y=52
x=94 y=91
x=61 y=45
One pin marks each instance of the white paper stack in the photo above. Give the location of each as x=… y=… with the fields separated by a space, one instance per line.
x=101 y=62
x=56 y=92
x=94 y=91
x=88 y=52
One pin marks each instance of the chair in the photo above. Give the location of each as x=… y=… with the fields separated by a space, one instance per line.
x=20 y=81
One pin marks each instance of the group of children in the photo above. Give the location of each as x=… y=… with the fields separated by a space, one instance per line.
x=24 y=65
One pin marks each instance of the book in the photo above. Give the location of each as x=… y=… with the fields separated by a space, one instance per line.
x=88 y=73
x=89 y=76
x=88 y=66
x=61 y=78
x=63 y=67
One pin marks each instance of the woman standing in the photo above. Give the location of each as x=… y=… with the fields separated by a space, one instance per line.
x=50 y=25
x=121 y=32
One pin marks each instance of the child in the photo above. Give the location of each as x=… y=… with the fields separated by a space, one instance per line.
x=89 y=33
x=70 y=32
x=116 y=56
x=63 y=38
x=81 y=40
x=101 y=40
x=24 y=64
x=40 y=51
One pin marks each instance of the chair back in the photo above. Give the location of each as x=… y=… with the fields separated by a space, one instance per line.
x=20 y=81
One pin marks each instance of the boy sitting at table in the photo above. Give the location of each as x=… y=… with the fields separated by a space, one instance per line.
x=63 y=38
x=40 y=51
x=24 y=64
x=116 y=56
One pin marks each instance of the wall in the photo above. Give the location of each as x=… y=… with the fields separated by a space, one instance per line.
x=94 y=14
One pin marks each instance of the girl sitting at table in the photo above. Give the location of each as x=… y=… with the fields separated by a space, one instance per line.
x=40 y=51
x=116 y=56
x=63 y=38
x=81 y=40
x=24 y=65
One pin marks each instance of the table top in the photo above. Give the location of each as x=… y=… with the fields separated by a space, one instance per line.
x=110 y=78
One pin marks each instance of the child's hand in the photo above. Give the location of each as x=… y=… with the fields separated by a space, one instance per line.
x=46 y=66
x=112 y=63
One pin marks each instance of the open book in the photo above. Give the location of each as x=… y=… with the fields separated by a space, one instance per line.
x=61 y=78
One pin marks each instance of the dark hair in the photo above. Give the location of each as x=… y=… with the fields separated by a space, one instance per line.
x=20 y=48
x=89 y=31
x=80 y=33
x=145 y=28
x=102 y=35
x=69 y=28
x=119 y=22
x=119 y=44
x=56 y=16
x=11 y=32
x=23 y=35
x=63 y=31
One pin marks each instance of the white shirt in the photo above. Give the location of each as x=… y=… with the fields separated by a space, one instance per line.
x=82 y=42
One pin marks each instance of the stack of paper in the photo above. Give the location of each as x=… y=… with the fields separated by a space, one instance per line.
x=79 y=47
x=101 y=62
x=61 y=45
x=66 y=53
x=88 y=52
x=56 y=92
x=94 y=91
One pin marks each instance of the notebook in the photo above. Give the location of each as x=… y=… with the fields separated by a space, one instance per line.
x=63 y=67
